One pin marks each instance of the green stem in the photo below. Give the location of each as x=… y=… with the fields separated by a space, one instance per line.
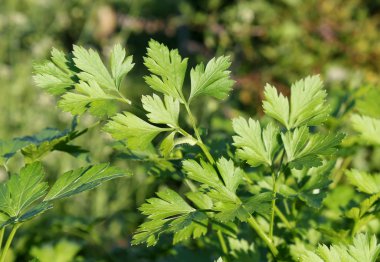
x=210 y=159
x=1 y=237
x=274 y=194
x=338 y=174
x=9 y=241
x=253 y=223
x=193 y=123
x=222 y=242
x=283 y=218
x=123 y=98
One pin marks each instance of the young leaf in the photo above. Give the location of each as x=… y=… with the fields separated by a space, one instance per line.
x=55 y=77
x=120 y=65
x=307 y=103
x=168 y=70
x=168 y=144
x=364 y=248
x=92 y=68
x=255 y=146
x=214 y=80
x=21 y=191
x=138 y=133
x=365 y=182
x=82 y=179
x=36 y=146
x=276 y=105
x=315 y=188
x=368 y=102
x=160 y=113
x=169 y=213
x=368 y=127
x=222 y=192
x=305 y=150
x=88 y=96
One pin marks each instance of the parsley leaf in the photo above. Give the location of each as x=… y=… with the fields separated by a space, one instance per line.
x=368 y=127
x=169 y=213
x=214 y=80
x=306 y=107
x=138 y=133
x=364 y=182
x=88 y=96
x=305 y=150
x=21 y=191
x=120 y=65
x=82 y=179
x=55 y=77
x=168 y=70
x=364 y=248
x=160 y=113
x=256 y=146
x=92 y=67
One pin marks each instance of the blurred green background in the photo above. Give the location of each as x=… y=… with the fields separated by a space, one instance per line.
x=269 y=41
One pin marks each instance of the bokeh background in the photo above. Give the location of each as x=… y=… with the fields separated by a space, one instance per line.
x=269 y=41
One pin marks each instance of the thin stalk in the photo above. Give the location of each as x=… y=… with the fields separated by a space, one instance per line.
x=9 y=241
x=206 y=152
x=123 y=98
x=1 y=237
x=210 y=159
x=253 y=223
x=222 y=242
x=337 y=176
x=274 y=194
x=287 y=210
x=283 y=218
x=193 y=123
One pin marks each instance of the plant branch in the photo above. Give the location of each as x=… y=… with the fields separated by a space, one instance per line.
x=283 y=218
x=275 y=175
x=222 y=242
x=9 y=241
x=1 y=237
x=253 y=223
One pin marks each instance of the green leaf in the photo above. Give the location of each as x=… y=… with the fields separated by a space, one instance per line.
x=368 y=102
x=307 y=102
x=200 y=200
x=138 y=133
x=168 y=70
x=305 y=150
x=314 y=190
x=368 y=127
x=21 y=191
x=92 y=68
x=256 y=146
x=88 y=96
x=214 y=80
x=37 y=146
x=260 y=203
x=9 y=148
x=82 y=179
x=276 y=105
x=120 y=65
x=167 y=144
x=364 y=248
x=306 y=107
x=55 y=77
x=169 y=213
x=160 y=113
x=364 y=182
x=221 y=191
